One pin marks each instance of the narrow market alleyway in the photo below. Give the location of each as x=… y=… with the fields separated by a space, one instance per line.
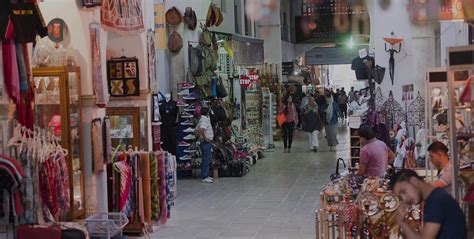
x=277 y=199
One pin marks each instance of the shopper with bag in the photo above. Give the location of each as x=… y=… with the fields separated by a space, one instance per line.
x=312 y=123
x=288 y=110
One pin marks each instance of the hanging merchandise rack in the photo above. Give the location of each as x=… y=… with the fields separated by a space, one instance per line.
x=461 y=128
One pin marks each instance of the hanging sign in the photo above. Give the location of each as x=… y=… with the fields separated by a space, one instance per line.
x=435 y=10
x=254 y=77
x=56 y=30
x=160 y=25
x=244 y=81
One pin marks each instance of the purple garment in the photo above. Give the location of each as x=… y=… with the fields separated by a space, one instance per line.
x=374 y=156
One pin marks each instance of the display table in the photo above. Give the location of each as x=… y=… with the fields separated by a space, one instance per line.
x=348 y=210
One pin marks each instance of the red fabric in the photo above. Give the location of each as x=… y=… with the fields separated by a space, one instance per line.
x=16 y=163
x=32 y=232
x=48 y=187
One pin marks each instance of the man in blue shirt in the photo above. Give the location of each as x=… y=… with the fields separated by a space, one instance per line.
x=442 y=216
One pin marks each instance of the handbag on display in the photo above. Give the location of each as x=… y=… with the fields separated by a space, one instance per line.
x=175 y=42
x=221 y=91
x=337 y=175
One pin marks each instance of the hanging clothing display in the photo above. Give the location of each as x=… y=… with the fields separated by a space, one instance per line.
x=143 y=186
x=124 y=17
x=28 y=22
x=41 y=157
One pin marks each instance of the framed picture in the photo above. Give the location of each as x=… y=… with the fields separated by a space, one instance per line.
x=123 y=77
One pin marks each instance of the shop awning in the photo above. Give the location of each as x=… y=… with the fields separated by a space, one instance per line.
x=248 y=51
x=331 y=55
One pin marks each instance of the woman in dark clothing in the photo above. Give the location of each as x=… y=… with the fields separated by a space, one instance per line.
x=312 y=123
x=289 y=109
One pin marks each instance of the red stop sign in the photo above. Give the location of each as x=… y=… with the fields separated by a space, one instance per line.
x=244 y=81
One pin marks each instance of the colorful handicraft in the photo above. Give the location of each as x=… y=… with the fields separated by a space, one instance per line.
x=125 y=17
x=123 y=77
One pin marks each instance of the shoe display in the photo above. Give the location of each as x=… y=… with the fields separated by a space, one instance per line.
x=189 y=137
x=190 y=108
x=186 y=85
x=189 y=130
x=187 y=122
x=181 y=103
x=184 y=92
x=207 y=180
x=185 y=157
x=190 y=151
x=191 y=96
x=183 y=144
x=186 y=115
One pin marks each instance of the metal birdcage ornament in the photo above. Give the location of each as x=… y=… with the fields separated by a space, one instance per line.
x=392 y=111
x=416 y=111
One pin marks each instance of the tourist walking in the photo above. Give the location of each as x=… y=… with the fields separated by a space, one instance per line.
x=288 y=108
x=342 y=101
x=330 y=125
x=312 y=123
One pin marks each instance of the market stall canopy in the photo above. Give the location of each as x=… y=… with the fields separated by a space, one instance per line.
x=248 y=51
x=331 y=55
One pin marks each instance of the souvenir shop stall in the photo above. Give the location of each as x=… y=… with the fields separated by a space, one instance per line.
x=75 y=136
x=449 y=94
x=351 y=207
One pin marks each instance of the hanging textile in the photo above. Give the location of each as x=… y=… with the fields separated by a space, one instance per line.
x=151 y=39
x=45 y=187
x=124 y=17
x=97 y=145
x=162 y=189
x=155 y=196
x=99 y=88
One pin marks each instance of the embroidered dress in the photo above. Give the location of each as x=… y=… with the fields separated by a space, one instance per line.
x=125 y=17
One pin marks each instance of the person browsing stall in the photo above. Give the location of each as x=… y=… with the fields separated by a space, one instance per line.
x=374 y=155
x=438 y=153
x=442 y=216
x=205 y=134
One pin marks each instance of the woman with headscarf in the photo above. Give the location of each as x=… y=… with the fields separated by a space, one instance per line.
x=330 y=122
x=312 y=123
x=291 y=120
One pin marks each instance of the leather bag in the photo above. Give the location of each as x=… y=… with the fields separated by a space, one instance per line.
x=173 y=16
x=196 y=61
x=190 y=18
x=175 y=43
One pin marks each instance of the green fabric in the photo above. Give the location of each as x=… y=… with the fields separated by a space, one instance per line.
x=155 y=199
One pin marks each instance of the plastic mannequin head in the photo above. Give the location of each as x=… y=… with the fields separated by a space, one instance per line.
x=168 y=97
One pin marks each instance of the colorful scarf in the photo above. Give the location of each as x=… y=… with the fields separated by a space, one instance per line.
x=48 y=186
x=99 y=89
x=124 y=17
x=162 y=189
x=62 y=182
x=155 y=195
x=125 y=183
